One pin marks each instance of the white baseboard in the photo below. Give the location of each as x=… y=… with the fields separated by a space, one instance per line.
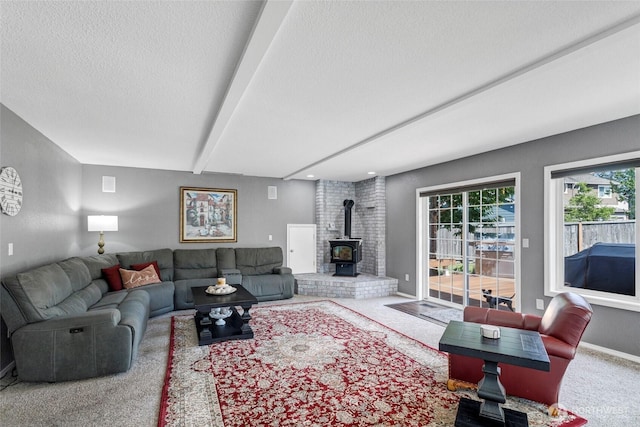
x=7 y=369
x=610 y=352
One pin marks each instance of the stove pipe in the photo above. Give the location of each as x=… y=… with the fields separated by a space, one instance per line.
x=348 y=204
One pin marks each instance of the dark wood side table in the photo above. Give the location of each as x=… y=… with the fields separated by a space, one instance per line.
x=515 y=347
x=236 y=326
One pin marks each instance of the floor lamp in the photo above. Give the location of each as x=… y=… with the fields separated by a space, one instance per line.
x=102 y=223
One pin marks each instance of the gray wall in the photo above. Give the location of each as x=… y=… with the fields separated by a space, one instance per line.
x=529 y=159
x=47 y=227
x=147 y=204
x=51 y=183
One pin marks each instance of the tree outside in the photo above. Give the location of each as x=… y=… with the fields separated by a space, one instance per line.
x=585 y=206
x=623 y=183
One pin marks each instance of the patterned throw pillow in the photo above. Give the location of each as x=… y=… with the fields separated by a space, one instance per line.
x=133 y=279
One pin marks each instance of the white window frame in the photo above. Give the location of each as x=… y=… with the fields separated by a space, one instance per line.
x=420 y=253
x=604 y=194
x=553 y=223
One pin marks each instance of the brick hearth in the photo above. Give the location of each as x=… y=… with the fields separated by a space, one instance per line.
x=360 y=287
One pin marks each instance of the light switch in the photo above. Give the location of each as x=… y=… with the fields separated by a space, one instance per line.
x=10 y=249
x=270 y=237
x=525 y=243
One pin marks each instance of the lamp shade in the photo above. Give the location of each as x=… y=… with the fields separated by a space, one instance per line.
x=102 y=223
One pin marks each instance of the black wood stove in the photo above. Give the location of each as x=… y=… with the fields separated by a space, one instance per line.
x=346 y=253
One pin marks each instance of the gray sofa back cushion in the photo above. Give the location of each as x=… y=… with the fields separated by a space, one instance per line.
x=77 y=272
x=39 y=293
x=95 y=264
x=253 y=261
x=164 y=257
x=226 y=258
x=194 y=264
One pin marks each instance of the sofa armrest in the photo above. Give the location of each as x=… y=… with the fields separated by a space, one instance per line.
x=282 y=270
x=531 y=321
x=233 y=275
x=558 y=348
x=73 y=347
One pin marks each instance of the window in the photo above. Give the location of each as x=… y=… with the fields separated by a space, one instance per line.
x=591 y=244
x=469 y=245
x=604 y=191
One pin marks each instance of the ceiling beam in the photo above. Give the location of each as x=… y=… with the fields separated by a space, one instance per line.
x=559 y=54
x=269 y=22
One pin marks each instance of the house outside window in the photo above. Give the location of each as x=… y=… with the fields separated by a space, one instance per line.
x=591 y=234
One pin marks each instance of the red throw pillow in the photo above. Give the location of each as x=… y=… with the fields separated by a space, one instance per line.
x=144 y=265
x=113 y=278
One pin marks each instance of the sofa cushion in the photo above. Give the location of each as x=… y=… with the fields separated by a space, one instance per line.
x=134 y=278
x=194 y=264
x=96 y=263
x=113 y=277
x=160 y=297
x=226 y=258
x=81 y=300
x=253 y=261
x=77 y=271
x=183 y=297
x=110 y=300
x=164 y=258
x=37 y=292
x=134 y=312
x=269 y=287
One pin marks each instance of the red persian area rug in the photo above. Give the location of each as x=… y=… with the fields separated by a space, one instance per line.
x=315 y=364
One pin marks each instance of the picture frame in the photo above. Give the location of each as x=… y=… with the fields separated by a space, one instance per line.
x=208 y=215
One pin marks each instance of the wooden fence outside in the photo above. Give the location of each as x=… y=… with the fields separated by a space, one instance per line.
x=580 y=236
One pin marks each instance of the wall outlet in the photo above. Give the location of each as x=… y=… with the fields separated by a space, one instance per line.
x=540 y=304
x=270 y=237
x=406 y=277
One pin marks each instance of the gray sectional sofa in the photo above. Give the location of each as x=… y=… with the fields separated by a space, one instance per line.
x=66 y=324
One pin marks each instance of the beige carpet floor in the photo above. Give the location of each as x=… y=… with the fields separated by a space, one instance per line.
x=598 y=387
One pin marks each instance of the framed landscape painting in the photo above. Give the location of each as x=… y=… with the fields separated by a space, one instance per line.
x=208 y=215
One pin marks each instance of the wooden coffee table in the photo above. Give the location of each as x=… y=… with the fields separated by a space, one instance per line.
x=236 y=326
x=515 y=347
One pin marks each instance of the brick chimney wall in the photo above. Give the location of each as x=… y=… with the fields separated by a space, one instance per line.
x=367 y=221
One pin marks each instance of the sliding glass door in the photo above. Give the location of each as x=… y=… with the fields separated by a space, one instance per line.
x=469 y=245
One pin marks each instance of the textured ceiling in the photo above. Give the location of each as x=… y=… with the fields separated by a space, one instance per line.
x=330 y=88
